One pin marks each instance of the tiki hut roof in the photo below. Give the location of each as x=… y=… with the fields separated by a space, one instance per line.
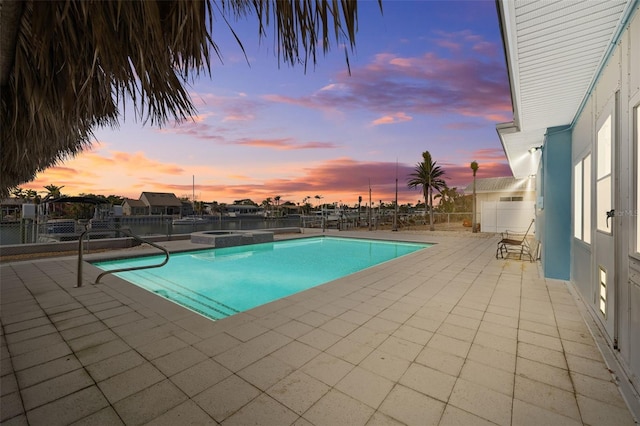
x=67 y=66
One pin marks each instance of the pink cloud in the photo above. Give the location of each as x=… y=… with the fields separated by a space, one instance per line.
x=284 y=144
x=427 y=84
x=398 y=117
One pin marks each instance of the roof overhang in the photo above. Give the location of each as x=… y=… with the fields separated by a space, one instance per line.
x=554 y=52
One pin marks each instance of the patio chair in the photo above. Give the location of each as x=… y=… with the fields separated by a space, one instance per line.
x=517 y=243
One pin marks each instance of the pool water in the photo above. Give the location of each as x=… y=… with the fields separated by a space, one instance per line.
x=221 y=282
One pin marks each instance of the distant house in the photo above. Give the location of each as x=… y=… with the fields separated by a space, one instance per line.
x=161 y=203
x=11 y=208
x=236 y=209
x=504 y=203
x=131 y=207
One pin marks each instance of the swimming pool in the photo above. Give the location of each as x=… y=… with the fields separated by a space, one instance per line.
x=221 y=282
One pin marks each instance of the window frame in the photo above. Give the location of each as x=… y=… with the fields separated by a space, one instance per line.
x=582 y=219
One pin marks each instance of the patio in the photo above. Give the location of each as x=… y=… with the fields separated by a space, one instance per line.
x=445 y=336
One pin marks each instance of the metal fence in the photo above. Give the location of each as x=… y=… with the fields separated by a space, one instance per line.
x=29 y=232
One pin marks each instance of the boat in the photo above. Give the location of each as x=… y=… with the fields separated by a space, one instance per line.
x=188 y=221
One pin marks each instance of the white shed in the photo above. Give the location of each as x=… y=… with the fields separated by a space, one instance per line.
x=504 y=203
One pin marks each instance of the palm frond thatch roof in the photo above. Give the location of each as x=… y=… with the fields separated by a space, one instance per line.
x=67 y=66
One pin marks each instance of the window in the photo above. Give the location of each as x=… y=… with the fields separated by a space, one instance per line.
x=582 y=199
x=602 y=278
x=604 y=198
x=511 y=198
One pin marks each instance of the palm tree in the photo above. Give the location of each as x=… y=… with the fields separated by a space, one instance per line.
x=318 y=197
x=474 y=167
x=53 y=191
x=277 y=200
x=427 y=175
x=67 y=65
x=266 y=204
x=448 y=197
x=17 y=192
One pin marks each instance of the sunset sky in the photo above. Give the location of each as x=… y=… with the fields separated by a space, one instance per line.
x=426 y=75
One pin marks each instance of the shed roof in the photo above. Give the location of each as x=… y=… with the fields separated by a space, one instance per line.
x=502 y=184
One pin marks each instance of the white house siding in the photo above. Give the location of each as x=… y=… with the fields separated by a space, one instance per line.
x=618 y=83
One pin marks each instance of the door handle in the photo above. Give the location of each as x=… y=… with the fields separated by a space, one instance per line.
x=611 y=213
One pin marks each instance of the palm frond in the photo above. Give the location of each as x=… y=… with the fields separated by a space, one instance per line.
x=68 y=66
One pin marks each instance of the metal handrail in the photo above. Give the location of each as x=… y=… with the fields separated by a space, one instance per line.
x=113 y=271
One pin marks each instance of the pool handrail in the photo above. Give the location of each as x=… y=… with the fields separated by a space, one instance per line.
x=113 y=271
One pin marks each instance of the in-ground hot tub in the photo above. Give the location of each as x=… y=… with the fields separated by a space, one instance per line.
x=231 y=238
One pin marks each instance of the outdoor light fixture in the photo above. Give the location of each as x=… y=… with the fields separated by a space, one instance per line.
x=534 y=149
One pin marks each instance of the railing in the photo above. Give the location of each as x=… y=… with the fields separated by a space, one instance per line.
x=113 y=271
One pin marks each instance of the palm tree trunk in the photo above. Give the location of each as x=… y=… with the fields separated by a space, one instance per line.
x=426 y=197
x=432 y=226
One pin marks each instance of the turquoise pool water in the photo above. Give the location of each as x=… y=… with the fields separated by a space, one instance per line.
x=224 y=281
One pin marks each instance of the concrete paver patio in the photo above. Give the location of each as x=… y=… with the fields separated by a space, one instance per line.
x=444 y=336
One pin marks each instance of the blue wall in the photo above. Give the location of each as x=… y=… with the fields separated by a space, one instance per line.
x=555 y=218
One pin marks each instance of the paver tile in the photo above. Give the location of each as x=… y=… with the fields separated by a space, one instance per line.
x=262 y=411
x=350 y=351
x=226 y=397
x=401 y=348
x=433 y=383
x=481 y=401
x=11 y=407
x=526 y=414
x=298 y=391
x=596 y=412
x=40 y=356
x=294 y=329
x=385 y=365
x=114 y=365
x=546 y=396
x=149 y=403
x=319 y=338
x=484 y=375
x=179 y=360
x=441 y=361
x=454 y=416
x=450 y=345
x=542 y=355
x=68 y=409
x=601 y=390
x=201 y=376
x=55 y=388
x=296 y=354
x=129 y=382
x=106 y=416
x=411 y=407
x=187 y=413
x=266 y=372
x=336 y=408
x=220 y=342
x=544 y=373
x=365 y=386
